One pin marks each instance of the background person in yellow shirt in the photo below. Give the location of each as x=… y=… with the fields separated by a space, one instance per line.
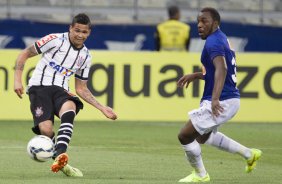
x=172 y=35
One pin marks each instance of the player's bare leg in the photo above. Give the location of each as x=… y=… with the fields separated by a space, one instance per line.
x=46 y=128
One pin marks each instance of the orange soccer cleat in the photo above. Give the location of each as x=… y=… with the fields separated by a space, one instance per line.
x=60 y=162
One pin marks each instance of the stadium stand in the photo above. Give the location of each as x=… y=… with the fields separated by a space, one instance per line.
x=262 y=12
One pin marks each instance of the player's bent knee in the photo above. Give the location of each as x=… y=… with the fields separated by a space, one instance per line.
x=183 y=139
x=180 y=138
x=46 y=128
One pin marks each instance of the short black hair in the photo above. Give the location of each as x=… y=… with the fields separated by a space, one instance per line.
x=81 y=18
x=172 y=11
x=214 y=13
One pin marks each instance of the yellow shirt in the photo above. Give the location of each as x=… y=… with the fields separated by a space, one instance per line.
x=173 y=35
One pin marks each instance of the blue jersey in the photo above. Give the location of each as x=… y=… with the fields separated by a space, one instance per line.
x=218 y=45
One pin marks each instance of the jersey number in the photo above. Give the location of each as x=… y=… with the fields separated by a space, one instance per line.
x=234 y=77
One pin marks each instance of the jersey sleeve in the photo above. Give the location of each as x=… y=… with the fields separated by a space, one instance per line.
x=46 y=43
x=83 y=72
x=215 y=48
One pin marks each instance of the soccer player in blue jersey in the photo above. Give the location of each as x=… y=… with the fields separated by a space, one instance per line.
x=220 y=101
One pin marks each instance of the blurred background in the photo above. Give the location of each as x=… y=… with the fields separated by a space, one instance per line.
x=252 y=25
x=140 y=85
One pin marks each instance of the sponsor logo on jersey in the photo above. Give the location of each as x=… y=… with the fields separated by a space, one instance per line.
x=45 y=40
x=62 y=70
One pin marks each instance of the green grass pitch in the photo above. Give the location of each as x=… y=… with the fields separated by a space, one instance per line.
x=139 y=153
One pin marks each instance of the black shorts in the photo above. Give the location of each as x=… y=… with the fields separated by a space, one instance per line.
x=46 y=101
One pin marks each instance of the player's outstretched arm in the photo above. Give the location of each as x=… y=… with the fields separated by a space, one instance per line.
x=86 y=95
x=20 y=62
x=186 y=79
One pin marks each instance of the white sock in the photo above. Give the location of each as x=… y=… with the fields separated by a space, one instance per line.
x=225 y=143
x=193 y=154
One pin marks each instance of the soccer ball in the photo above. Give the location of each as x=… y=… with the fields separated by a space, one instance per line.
x=40 y=148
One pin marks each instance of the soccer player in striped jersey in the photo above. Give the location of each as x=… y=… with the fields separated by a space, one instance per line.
x=63 y=55
x=220 y=101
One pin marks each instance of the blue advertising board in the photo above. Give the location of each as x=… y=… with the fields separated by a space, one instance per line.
x=245 y=38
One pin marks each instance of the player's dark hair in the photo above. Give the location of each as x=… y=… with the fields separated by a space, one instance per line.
x=214 y=13
x=172 y=11
x=81 y=18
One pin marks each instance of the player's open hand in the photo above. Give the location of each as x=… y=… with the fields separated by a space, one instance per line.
x=18 y=88
x=216 y=108
x=109 y=113
x=185 y=80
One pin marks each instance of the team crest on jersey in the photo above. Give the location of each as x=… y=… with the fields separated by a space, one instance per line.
x=38 y=112
x=45 y=40
x=62 y=70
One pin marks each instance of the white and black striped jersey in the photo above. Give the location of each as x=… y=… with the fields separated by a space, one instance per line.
x=60 y=60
